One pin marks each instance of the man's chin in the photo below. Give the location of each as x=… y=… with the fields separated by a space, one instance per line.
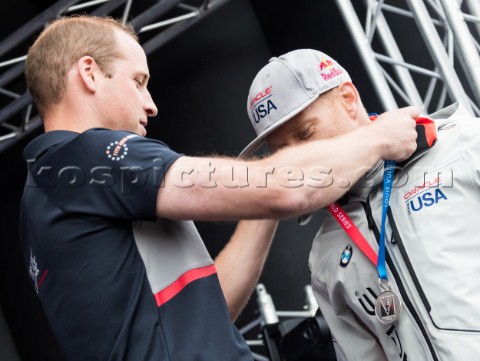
x=141 y=131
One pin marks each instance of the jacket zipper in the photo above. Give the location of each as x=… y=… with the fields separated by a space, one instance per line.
x=373 y=227
x=406 y=259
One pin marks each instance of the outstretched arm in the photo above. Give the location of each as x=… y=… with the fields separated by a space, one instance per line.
x=293 y=181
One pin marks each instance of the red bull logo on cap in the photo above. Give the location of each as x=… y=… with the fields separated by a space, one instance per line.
x=325 y=63
x=328 y=70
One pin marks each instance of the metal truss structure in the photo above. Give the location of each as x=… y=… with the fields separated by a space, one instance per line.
x=269 y=324
x=418 y=52
x=156 y=21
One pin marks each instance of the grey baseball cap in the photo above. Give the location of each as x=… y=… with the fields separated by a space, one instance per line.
x=286 y=86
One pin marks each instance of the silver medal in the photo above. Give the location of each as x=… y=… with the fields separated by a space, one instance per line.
x=387 y=307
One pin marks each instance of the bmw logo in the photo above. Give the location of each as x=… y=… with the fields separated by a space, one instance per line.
x=346 y=256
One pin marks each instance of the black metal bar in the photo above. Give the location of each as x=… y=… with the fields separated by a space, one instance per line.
x=15 y=106
x=153 y=13
x=34 y=124
x=107 y=8
x=12 y=73
x=34 y=25
x=174 y=30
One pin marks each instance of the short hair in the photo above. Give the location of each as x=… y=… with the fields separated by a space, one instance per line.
x=60 y=45
x=329 y=95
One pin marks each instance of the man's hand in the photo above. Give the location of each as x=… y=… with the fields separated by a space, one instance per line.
x=397 y=129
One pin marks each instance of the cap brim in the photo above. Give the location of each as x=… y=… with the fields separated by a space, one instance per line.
x=260 y=139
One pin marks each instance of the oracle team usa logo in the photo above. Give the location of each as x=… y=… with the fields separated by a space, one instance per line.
x=426 y=195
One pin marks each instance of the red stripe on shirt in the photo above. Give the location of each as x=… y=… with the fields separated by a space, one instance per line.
x=192 y=275
x=42 y=278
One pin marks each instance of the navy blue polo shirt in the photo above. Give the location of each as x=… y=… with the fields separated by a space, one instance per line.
x=115 y=282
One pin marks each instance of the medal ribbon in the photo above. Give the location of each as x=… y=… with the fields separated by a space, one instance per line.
x=351 y=229
x=354 y=233
x=357 y=237
x=389 y=169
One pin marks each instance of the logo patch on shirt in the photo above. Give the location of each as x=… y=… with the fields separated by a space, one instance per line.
x=449 y=126
x=119 y=150
x=426 y=199
x=426 y=195
x=346 y=256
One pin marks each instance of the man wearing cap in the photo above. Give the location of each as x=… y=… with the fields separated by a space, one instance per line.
x=416 y=300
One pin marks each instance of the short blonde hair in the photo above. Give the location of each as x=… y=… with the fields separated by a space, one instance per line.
x=60 y=45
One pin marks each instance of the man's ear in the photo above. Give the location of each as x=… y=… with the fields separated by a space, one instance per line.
x=86 y=67
x=349 y=97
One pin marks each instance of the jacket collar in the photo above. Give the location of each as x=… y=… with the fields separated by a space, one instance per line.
x=426 y=140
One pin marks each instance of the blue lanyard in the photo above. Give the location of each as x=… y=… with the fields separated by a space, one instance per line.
x=389 y=168
x=388 y=172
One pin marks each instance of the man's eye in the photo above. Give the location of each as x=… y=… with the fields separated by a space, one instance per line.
x=304 y=134
x=139 y=81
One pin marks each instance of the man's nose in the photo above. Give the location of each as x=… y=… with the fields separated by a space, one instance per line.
x=150 y=107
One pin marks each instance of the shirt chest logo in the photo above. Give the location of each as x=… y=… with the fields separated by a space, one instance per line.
x=426 y=199
x=118 y=150
x=346 y=256
x=424 y=196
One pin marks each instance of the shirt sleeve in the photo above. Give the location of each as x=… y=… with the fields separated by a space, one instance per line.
x=105 y=173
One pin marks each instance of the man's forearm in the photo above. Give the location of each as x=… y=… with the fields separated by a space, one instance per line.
x=240 y=263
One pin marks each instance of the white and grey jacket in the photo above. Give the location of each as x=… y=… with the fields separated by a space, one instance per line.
x=433 y=255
